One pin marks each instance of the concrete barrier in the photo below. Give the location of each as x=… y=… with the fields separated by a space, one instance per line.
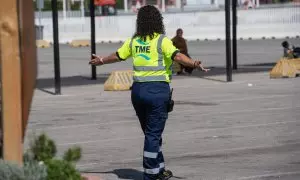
x=119 y=81
x=254 y=24
x=80 y=43
x=286 y=68
x=296 y=62
x=42 y=44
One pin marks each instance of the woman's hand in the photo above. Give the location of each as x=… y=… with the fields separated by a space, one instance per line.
x=198 y=65
x=96 y=60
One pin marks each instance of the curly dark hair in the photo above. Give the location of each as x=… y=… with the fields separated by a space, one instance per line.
x=149 y=21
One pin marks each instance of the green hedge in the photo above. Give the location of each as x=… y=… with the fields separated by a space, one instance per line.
x=41 y=163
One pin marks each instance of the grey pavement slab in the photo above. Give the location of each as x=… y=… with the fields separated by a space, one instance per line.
x=74 y=61
x=217 y=130
x=245 y=129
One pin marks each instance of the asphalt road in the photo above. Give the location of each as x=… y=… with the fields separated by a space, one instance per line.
x=74 y=61
x=218 y=131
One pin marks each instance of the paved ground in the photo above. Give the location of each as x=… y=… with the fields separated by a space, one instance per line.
x=217 y=131
x=212 y=53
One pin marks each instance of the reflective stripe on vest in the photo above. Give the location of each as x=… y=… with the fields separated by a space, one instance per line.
x=149 y=68
x=150 y=78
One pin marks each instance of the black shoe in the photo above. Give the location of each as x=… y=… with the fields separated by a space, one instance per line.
x=164 y=175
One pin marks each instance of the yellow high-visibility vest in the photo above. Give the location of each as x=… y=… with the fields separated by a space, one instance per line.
x=152 y=59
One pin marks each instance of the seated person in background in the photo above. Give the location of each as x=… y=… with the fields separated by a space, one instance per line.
x=287 y=51
x=180 y=44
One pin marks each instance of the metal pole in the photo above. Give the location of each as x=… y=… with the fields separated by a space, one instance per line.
x=64 y=9
x=40 y=19
x=163 y=5
x=126 y=5
x=234 y=41
x=93 y=37
x=40 y=4
x=82 y=8
x=228 y=39
x=56 y=48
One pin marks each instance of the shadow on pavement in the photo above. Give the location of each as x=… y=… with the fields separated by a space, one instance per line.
x=70 y=81
x=44 y=83
x=132 y=174
x=218 y=71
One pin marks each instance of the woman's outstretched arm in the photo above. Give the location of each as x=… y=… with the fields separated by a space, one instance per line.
x=97 y=60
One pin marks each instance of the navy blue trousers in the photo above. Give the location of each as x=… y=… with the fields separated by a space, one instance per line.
x=150 y=101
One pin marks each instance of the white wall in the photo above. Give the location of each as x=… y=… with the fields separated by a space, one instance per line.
x=279 y=22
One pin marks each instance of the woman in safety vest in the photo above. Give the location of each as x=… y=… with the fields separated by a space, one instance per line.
x=152 y=55
x=180 y=44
